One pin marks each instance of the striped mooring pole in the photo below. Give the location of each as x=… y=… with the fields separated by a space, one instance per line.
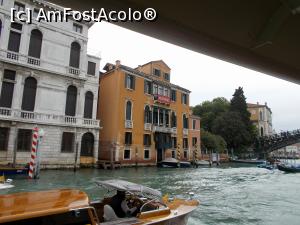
x=33 y=152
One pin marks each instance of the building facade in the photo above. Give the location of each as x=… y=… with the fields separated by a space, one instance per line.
x=261 y=116
x=145 y=118
x=47 y=80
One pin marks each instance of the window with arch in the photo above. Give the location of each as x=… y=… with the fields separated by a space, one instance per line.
x=261 y=115
x=128 y=110
x=29 y=93
x=71 y=101
x=148 y=115
x=87 y=145
x=185 y=122
x=75 y=55
x=15 y=37
x=35 y=44
x=88 y=105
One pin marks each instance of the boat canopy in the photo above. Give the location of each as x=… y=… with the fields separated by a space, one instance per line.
x=122 y=185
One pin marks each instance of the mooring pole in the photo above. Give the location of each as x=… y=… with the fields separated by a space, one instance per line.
x=76 y=156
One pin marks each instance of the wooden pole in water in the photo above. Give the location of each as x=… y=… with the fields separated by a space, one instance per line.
x=76 y=156
x=15 y=148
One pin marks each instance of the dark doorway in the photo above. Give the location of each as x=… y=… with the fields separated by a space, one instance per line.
x=87 y=145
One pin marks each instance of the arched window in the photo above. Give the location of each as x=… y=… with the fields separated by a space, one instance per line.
x=185 y=121
x=88 y=105
x=87 y=145
x=75 y=55
x=29 y=93
x=173 y=120
x=35 y=44
x=148 y=115
x=128 y=110
x=261 y=131
x=71 y=101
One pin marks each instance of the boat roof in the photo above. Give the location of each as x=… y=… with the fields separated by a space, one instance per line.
x=14 y=207
x=127 y=186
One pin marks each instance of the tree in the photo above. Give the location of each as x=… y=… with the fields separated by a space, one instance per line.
x=231 y=127
x=210 y=110
x=212 y=142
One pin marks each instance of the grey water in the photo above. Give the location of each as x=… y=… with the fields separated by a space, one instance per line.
x=228 y=194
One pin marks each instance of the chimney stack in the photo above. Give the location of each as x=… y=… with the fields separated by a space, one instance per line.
x=118 y=63
x=257 y=103
x=139 y=68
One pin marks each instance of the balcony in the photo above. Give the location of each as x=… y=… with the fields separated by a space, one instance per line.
x=147 y=126
x=174 y=130
x=162 y=129
x=73 y=71
x=44 y=118
x=128 y=124
x=185 y=131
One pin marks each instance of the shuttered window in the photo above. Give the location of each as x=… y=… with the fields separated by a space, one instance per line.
x=24 y=140
x=4 y=134
x=128 y=110
x=29 y=93
x=67 y=144
x=148 y=115
x=88 y=105
x=35 y=44
x=14 y=41
x=75 y=55
x=128 y=138
x=71 y=101
x=91 y=68
x=147 y=139
x=7 y=89
x=129 y=81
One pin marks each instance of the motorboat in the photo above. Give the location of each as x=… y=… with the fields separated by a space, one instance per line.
x=289 y=168
x=5 y=183
x=10 y=170
x=248 y=161
x=70 y=206
x=202 y=163
x=174 y=163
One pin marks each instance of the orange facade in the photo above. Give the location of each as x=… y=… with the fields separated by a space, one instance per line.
x=144 y=117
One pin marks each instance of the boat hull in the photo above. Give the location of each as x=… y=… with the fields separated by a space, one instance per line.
x=256 y=162
x=13 y=171
x=288 y=169
x=170 y=164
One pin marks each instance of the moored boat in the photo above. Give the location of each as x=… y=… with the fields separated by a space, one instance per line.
x=174 y=163
x=68 y=206
x=9 y=170
x=5 y=184
x=290 y=168
x=248 y=161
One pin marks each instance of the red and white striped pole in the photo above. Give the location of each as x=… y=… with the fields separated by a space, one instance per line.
x=33 y=151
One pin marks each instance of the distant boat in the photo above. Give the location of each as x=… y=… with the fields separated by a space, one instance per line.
x=266 y=166
x=202 y=163
x=174 y=163
x=4 y=184
x=289 y=168
x=9 y=170
x=248 y=161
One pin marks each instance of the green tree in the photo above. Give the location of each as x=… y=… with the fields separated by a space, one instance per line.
x=212 y=142
x=210 y=110
x=231 y=127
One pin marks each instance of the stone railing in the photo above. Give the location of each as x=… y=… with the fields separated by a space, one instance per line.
x=147 y=126
x=128 y=124
x=25 y=116
x=25 y=60
x=162 y=129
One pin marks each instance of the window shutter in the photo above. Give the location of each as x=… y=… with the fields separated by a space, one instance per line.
x=14 y=41
x=133 y=83
x=126 y=77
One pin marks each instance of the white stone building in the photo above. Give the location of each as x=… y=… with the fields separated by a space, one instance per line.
x=48 y=80
x=261 y=116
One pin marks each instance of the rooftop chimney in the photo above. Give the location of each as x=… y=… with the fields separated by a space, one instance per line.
x=257 y=103
x=118 y=63
x=266 y=104
x=140 y=68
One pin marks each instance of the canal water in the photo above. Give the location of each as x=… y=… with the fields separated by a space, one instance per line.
x=228 y=194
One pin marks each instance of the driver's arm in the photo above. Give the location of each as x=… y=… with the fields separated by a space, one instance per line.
x=126 y=209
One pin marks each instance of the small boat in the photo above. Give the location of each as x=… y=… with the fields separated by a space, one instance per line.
x=248 y=161
x=202 y=163
x=9 y=170
x=266 y=166
x=5 y=184
x=290 y=168
x=69 y=206
x=174 y=163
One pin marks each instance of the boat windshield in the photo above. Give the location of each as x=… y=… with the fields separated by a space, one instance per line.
x=132 y=188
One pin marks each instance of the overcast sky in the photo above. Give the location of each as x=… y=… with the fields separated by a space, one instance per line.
x=205 y=76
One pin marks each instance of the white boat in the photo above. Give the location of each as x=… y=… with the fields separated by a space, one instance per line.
x=5 y=184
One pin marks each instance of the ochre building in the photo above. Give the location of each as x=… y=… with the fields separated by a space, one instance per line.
x=144 y=117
